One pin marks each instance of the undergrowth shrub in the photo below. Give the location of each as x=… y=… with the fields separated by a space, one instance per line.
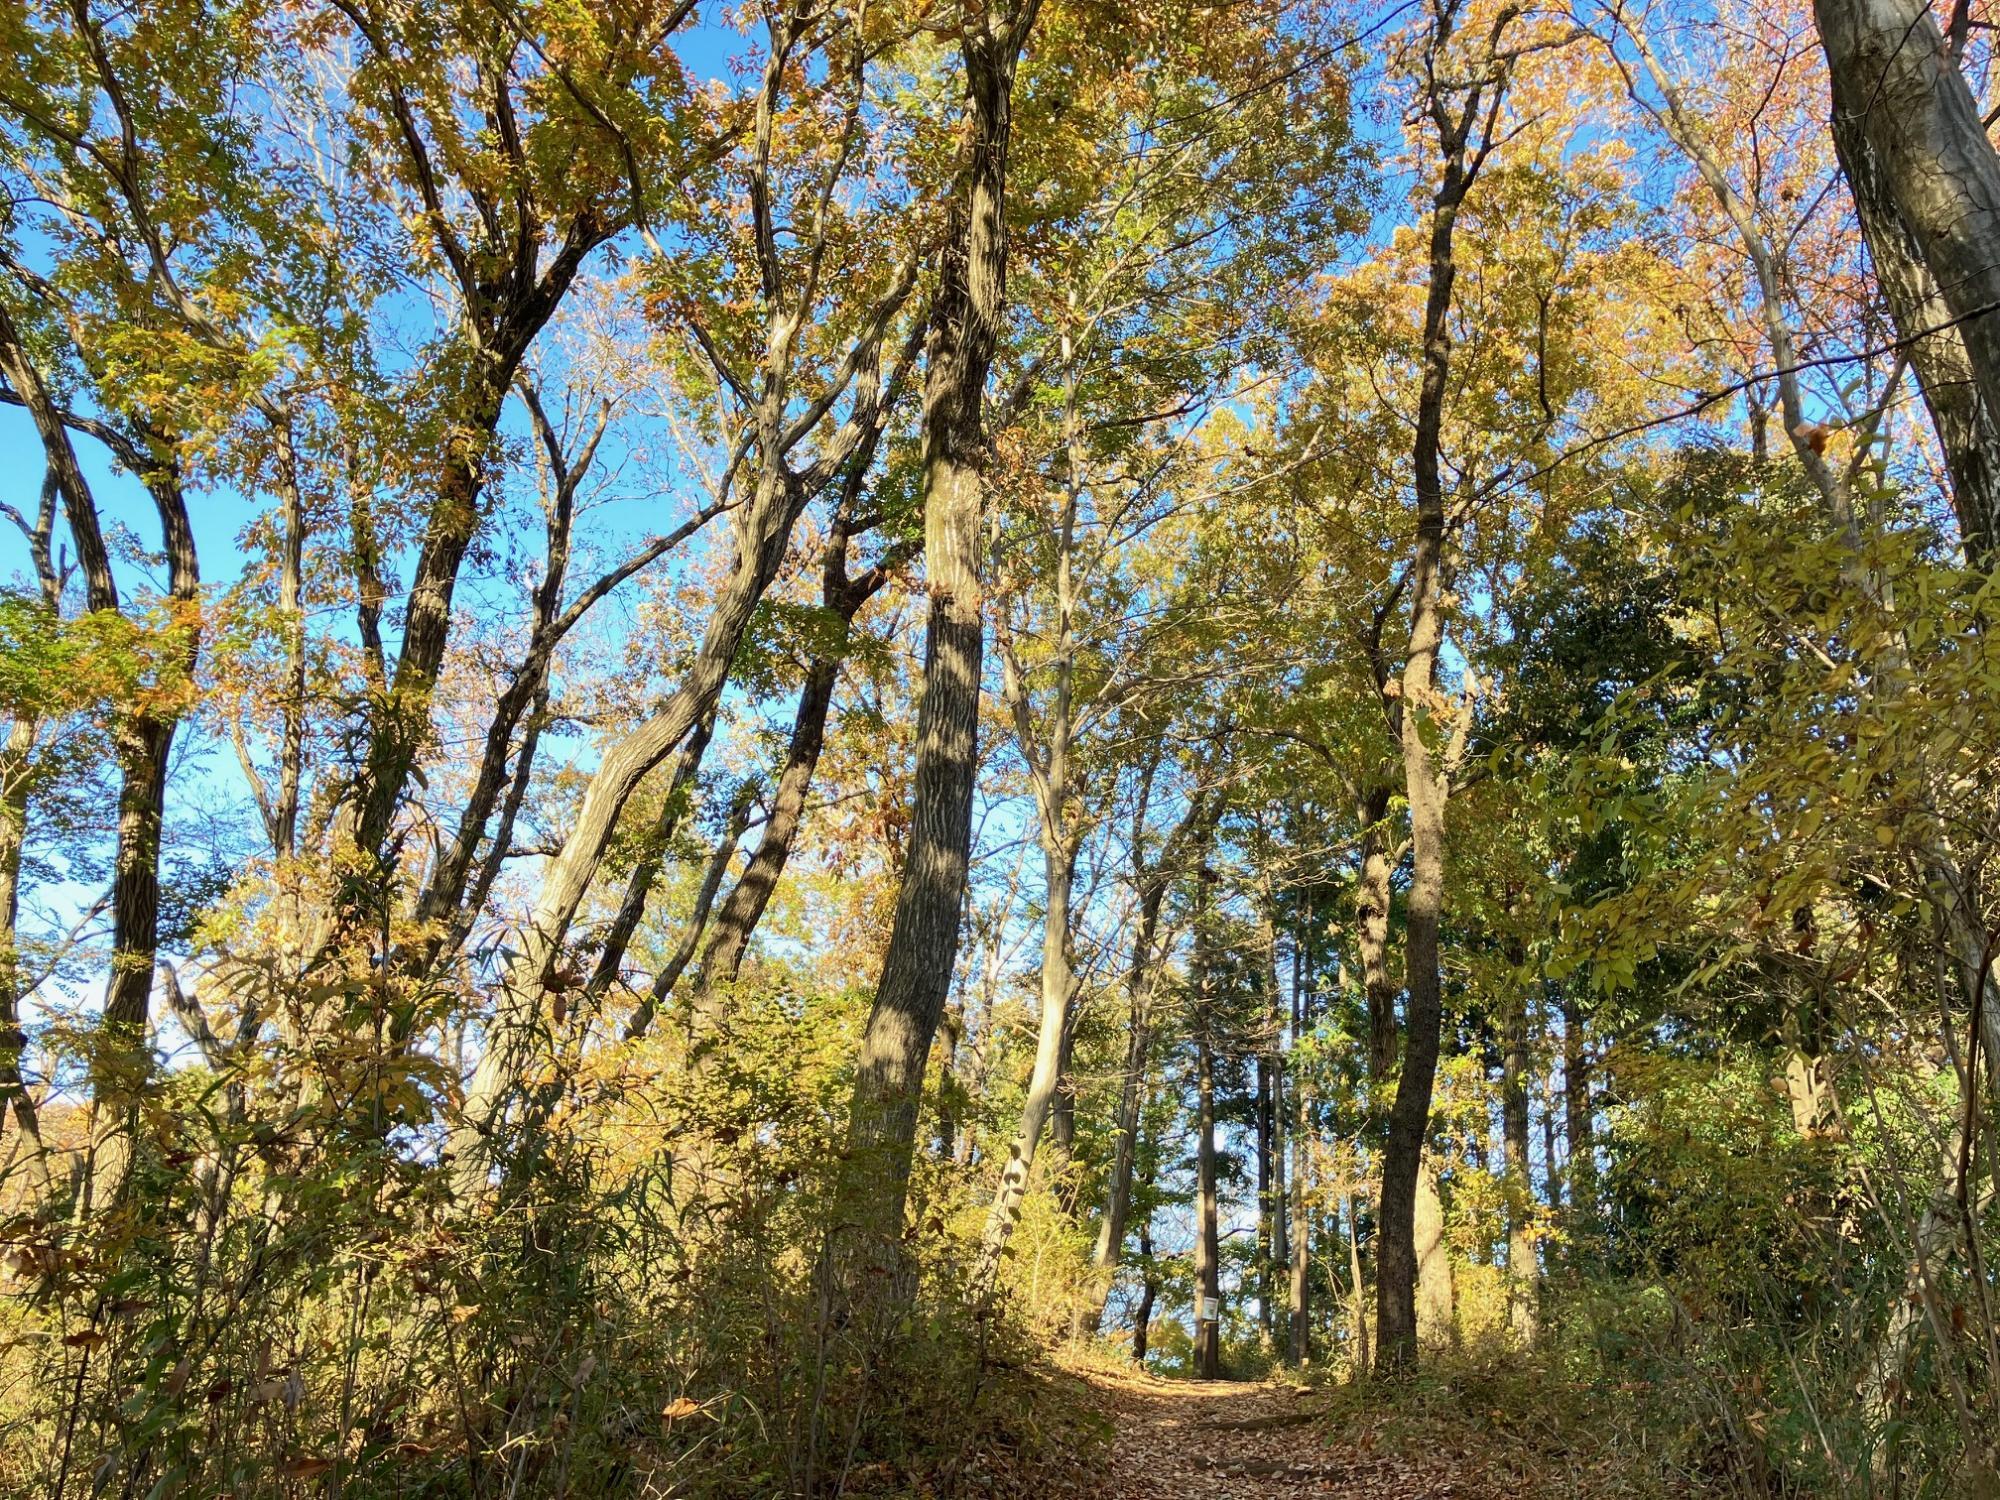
x=640 y=1308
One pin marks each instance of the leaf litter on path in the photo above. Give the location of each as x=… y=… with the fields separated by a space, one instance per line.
x=1225 y=1440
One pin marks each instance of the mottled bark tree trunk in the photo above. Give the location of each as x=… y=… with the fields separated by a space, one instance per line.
x=1967 y=436
x=1894 y=77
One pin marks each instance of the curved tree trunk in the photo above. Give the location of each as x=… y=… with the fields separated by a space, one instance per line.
x=1465 y=117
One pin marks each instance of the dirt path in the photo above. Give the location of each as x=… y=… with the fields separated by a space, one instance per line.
x=1226 y=1441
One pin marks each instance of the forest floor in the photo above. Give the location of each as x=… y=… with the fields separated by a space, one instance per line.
x=1227 y=1440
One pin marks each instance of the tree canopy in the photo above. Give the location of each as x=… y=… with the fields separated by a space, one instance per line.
x=733 y=732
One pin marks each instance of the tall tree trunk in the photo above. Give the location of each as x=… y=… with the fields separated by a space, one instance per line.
x=1578 y=1123
x=1266 y=1226
x=923 y=938
x=1413 y=710
x=1298 y=1304
x=1433 y=1295
x=1207 y=1243
x=1522 y=1272
x=1273 y=1204
x=16 y=779
x=1131 y=1097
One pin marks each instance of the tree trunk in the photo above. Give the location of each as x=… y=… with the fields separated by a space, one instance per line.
x=675 y=804
x=1433 y=1292
x=1208 y=1245
x=1118 y=1188
x=1149 y=1292
x=1523 y=1274
x=511 y=1035
x=1271 y=1200
x=1578 y=1127
x=142 y=741
x=1060 y=865
x=1551 y=1173
x=706 y=1021
x=1266 y=1224
x=1371 y=931
x=1062 y=1109
x=1152 y=887
x=1358 y=1305
x=1917 y=117
x=744 y=909
x=923 y=938
x=1298 y=1305
x=1968 y=438
x=1411 y=712
x=15 y=1100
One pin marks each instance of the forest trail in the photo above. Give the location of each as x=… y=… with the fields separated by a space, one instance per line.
x=1228 y=1440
